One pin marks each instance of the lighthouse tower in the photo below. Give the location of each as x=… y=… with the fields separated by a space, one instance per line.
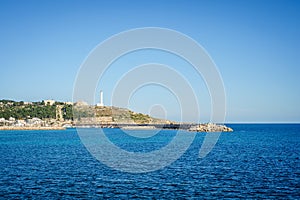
x=101 y=99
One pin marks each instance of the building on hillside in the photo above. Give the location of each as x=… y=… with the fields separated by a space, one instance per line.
x=49 y=102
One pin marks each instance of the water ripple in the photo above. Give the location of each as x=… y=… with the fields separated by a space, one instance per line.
x=255 y=161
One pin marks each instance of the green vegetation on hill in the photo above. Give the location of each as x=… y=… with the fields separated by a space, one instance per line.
x=20 y=110
x=140 y=118
x=119 y=115
x=123 y=115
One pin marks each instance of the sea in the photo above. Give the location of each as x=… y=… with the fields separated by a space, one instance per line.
x=255 y=161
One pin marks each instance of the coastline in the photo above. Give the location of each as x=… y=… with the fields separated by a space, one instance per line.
x=52 y=115
x=15 y=128
x=209 y=127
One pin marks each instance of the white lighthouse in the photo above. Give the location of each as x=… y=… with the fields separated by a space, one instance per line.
x=101 y=99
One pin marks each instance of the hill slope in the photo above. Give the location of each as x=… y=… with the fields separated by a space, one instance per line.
x=107 y=114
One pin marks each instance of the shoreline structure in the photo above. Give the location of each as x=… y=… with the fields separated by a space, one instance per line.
x=209 y=127
x=53 y=115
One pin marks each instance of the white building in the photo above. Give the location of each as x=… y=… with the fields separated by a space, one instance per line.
x=68 y=103
x=49 y=102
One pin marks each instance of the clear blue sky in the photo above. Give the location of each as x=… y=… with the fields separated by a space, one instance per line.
x=255 y=45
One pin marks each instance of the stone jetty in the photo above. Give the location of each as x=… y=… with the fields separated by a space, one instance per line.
x=210 y=127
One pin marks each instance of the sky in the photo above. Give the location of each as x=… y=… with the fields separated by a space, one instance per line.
x=254 y=44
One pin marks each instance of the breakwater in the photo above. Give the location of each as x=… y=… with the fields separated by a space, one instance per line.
x=208 y=127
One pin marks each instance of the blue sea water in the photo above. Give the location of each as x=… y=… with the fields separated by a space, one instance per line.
x=254 y=161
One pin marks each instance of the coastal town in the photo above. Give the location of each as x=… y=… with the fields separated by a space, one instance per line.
x=55 y=115
x=47 y=114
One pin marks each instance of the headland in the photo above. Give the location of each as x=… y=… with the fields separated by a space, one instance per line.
x=54 y=115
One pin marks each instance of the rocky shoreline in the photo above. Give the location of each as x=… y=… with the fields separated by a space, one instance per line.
x=209 y=127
